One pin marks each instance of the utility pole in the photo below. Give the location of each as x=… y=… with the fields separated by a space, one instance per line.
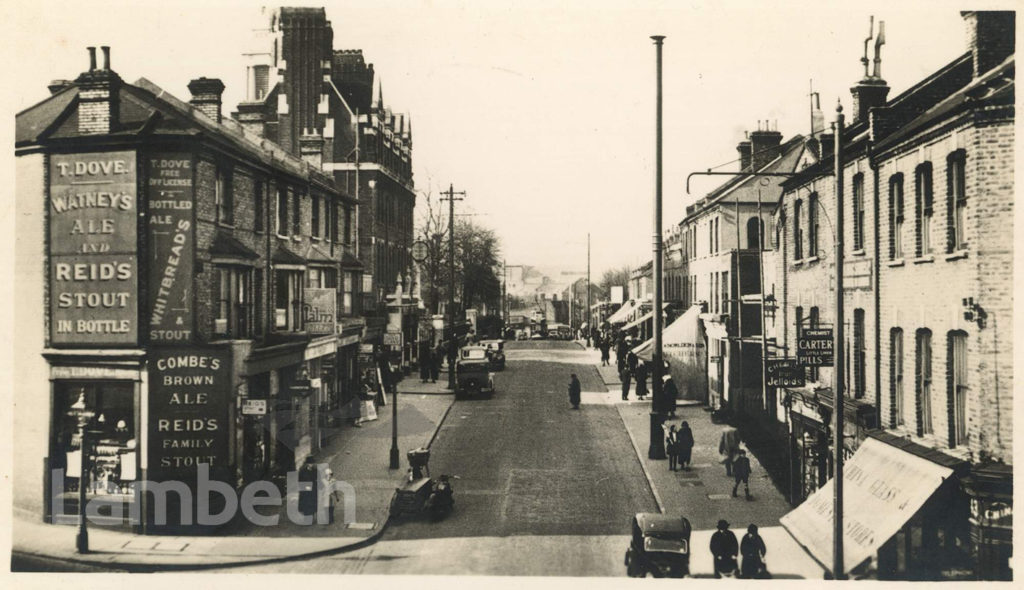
x=589 y=316
x=838 y=571
x=656 y=450
x=451 y=280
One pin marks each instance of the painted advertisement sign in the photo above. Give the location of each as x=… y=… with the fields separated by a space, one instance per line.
x=93 y=209
x=188 y=411
x=784 y=373
x=169 y=227
x=319 y=310
x=814 y=347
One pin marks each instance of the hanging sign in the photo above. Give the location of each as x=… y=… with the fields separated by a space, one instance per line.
x=784 y=373
x=814 y=347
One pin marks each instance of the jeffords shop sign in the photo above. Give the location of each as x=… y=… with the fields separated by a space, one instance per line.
x=92 y=212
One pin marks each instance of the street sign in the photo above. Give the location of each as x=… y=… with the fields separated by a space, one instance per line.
x=419 y=250
x=393 y=339
x=784 y=373
x=254 y=407
x=814 y=347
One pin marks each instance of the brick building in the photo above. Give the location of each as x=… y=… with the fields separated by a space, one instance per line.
x=189 y=272
x=927 y=296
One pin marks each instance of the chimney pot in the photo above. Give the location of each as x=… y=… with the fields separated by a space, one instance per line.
x=92 y=59
x=106 y=57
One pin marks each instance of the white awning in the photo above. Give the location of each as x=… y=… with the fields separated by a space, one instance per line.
x=883 y=487
x=716 y=331
x=621 y=315
x=684 y=331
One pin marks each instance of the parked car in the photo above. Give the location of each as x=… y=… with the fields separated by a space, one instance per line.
x=496 y=352
x=473 y=371
x=660 y=546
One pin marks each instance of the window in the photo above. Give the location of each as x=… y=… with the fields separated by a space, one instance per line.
x=812 y=224
x=234 y=302
x=718 y=236
x=725 y=293
x=314 y=217
x=349 y=280
x=896 y=415
x=956 y=204
x=798 y=234
x=288 y=300
x=858 y=211
x=711 y=236
x=223 y=195
x=923 y=200
x=712 y=298
x=859 y=355
x=282 y=212
x=348 y=225
x=755 y=231
x=896 y=217
x=297 y=214
x=259 y=206
x=923 y=370
x=957 y=375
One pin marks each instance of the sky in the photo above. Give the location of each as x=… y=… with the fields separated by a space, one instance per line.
x=542 y=111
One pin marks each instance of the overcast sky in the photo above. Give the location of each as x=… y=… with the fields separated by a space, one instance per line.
x=542 y=111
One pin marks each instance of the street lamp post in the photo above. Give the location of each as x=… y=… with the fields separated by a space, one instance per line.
x=838 y=571
x=451 y=281
x=84 y=416
x=656 y=449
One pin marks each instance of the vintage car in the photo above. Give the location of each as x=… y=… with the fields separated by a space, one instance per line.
x=660 y=546
x=473 y=371
x=496 y=352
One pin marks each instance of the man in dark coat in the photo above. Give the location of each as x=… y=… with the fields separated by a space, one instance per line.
x=574 y=392
x=425 y=360
x=724 y=548
x=741 y=471
x=631 y=362
x=605 y=347
x=670 y=394
x=620 y=353
x=626 y=382
x=641 y=380
x=753 y=550
x=436 y=359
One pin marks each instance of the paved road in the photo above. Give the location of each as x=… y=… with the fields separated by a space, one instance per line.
x=544 y=489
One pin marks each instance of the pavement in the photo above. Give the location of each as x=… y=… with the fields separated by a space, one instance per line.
x=357 y=456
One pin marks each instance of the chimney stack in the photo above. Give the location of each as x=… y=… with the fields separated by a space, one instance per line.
x=311 y=148
x=206 y=94
x=764 y=146
x=744 y=149
x=252 y=117
x=990 y=37
x=98 y=110
x=872 y=90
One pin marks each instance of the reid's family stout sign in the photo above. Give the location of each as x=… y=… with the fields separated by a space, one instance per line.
x=188 y=411
x=171 y=246
x=93 y=211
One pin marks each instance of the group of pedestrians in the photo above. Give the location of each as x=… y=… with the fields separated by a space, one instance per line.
x=430 y=360
x=724 y=548
x=679 y=446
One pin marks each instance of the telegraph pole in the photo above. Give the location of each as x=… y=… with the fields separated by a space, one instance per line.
x=451 y=280
x=838 y=571
x=656 y=450
x=590 y=319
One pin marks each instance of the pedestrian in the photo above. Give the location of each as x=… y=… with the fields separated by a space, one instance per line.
x=626 y=381
x=435 y=362
x=574 y=391
x=724 y=548
x=670 y=448
x=753 y=550
x=631 y=361
x=670 y=393
x=308 y=496
x=728 y=447
x=425 y=360
x=641 y=380
x=605 y=347
x=741 y=472
x=684 y=442
x=620 y=353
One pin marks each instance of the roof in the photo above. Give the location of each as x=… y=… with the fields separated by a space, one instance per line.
x=225 y=245
x=283 y=255
x=959 y=466
x=349 y=261
x=655 y=523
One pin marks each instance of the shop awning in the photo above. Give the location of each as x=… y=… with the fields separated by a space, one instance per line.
x=680 y=333
x=621 y=316
x=883 y=486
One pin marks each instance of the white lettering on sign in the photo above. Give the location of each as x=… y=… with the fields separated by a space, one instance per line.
x=102 y=271
x=94 y=168
x=187 y=425
x=188 y=361
x=92 y=200
x=93 y=300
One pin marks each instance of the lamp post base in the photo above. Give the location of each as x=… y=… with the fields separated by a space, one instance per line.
x=394 y=458
x=82 y=541
x=656 y=450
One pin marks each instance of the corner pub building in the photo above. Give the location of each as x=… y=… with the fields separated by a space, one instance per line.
x=174 y=254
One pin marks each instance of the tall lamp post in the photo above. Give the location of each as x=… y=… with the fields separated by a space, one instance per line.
x=79 y=411
x=451 y=280
x=838 y=571
x=656 y=449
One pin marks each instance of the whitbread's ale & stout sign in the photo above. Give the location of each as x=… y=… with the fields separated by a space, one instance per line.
x=93 y=210
x=171 y=245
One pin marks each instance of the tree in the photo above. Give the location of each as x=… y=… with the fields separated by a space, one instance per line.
x=614 y=277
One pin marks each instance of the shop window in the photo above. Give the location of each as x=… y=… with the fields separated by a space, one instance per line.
x=223 y=195
x=112 y=453
x=281 y=225
x=957 y=375
x=234 y=302
x=896 y=217
x=923 y=200
x=798 y=232
x=923 y=370
x=288 y=300
x=896 y=414
x=858 y=211
x=956 y=203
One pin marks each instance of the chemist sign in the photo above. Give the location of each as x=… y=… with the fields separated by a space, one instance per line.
x=814 y=347
x=92 y=211
x=188 y=411
x=784 y=373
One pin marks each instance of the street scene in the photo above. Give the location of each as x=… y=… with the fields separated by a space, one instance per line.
x=641 y=303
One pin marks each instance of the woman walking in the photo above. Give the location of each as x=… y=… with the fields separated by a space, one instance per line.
x=684 y=444
x=641 y=381
x=670 y=448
